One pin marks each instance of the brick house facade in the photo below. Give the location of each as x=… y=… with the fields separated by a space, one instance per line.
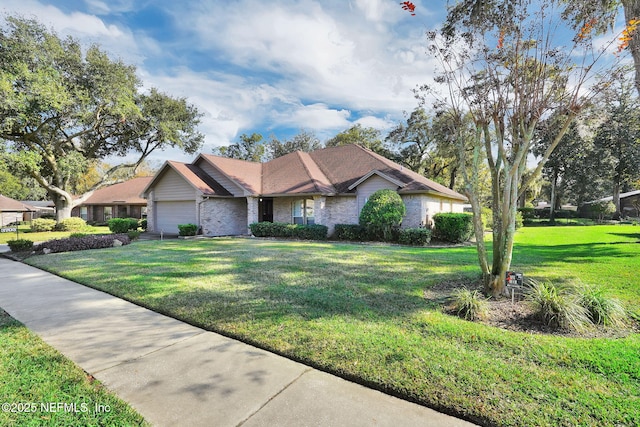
x=328 y=186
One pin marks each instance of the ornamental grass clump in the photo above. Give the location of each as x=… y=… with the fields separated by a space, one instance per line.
x=602 y=309
x=558 y=305
x=470 y=305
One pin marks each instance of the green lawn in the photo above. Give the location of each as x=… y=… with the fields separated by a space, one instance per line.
x=24 y=232
x=36 y=382
x=359 y=311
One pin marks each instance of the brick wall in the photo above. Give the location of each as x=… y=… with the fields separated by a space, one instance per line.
x=223 y=217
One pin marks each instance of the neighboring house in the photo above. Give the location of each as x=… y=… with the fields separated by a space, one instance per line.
x=42 y=207
x=12 y=210
x=329 y=186
x=629 y=203
x=121 y=200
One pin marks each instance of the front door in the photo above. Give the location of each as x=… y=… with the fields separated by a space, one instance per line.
x=265 y=210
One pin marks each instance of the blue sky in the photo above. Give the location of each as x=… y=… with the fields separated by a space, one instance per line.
x=273 y=67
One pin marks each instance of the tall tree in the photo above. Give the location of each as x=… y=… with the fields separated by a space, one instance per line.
x=366 y=137
x=617 y=138
x=424 y=145
x=303 y=141
x=62 y=108
x=562 y=159
x=248 y=147
x=509 y=65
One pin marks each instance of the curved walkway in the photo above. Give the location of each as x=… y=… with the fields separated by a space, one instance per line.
x=175 y=374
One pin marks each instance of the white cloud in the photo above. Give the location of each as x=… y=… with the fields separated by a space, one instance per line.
x=316 y=117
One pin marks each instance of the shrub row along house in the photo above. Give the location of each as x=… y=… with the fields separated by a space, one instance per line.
x=223 y=196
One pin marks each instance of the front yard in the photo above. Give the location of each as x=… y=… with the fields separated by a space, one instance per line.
x=360 y=311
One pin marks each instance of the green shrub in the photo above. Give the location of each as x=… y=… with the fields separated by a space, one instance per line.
x=602 y=210
x=118 y=225
x=271 y=229
x=470 y=305
x=133 y=234
x=453 y=227
x=527 y=213
x=187 y=229
x=601 y=309
x=143 y=224
x=280 y=229
x=519 y=220
x=42 y=224
x=351 y=232
x=487 y=218
x=20 y=245
x=414 y=236
x=382 y=213
x=557 y=306
x=122 y=225
x=310 y=232
x=71 y=224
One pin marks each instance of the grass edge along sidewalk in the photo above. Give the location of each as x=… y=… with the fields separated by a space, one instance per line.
x=360 y=312
x=39 y=386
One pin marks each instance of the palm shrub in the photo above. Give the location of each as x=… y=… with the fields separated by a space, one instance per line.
x=602 y=309
x=557 y=305
x=382 y=213
x=470 y=305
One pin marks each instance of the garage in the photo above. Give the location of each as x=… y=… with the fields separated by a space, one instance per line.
x=169 y=214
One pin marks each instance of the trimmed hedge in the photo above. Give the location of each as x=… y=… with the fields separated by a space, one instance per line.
x=351 y=232
x=280 y=229
x=42 y=224
x=71 y=224
x=20 y=245
x=187 y=229
x=453 y=227
x=414 y=236
x=92 y=241
x=122 y=225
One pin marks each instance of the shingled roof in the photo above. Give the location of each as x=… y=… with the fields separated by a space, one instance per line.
x=8 y=204
x=328 y=171
x=127 y=192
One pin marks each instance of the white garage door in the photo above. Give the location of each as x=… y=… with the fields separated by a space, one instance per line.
x=170 y=214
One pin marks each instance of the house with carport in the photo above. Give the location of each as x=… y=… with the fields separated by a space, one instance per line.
x=329 y=186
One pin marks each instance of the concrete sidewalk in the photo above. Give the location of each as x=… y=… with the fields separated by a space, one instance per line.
x=175 y=374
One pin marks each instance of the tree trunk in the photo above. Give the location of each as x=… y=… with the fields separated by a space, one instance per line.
x=632 y=11
x=63 y=207
x=616 y=195
x=552 y=202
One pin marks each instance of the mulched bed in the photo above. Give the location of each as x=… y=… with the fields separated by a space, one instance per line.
x=518 y=315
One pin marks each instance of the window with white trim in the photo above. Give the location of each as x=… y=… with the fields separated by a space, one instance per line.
x=302 y=212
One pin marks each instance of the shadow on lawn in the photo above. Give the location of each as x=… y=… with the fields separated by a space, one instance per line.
x=570 y=253
x=627 y=235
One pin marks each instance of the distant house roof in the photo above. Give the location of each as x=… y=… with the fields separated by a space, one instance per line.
x=329 y=171
x=622 y=196
x=8 y=204
x=127 y=192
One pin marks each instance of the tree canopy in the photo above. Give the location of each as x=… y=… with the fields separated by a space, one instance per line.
x=511 y=65
x=63 y=107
